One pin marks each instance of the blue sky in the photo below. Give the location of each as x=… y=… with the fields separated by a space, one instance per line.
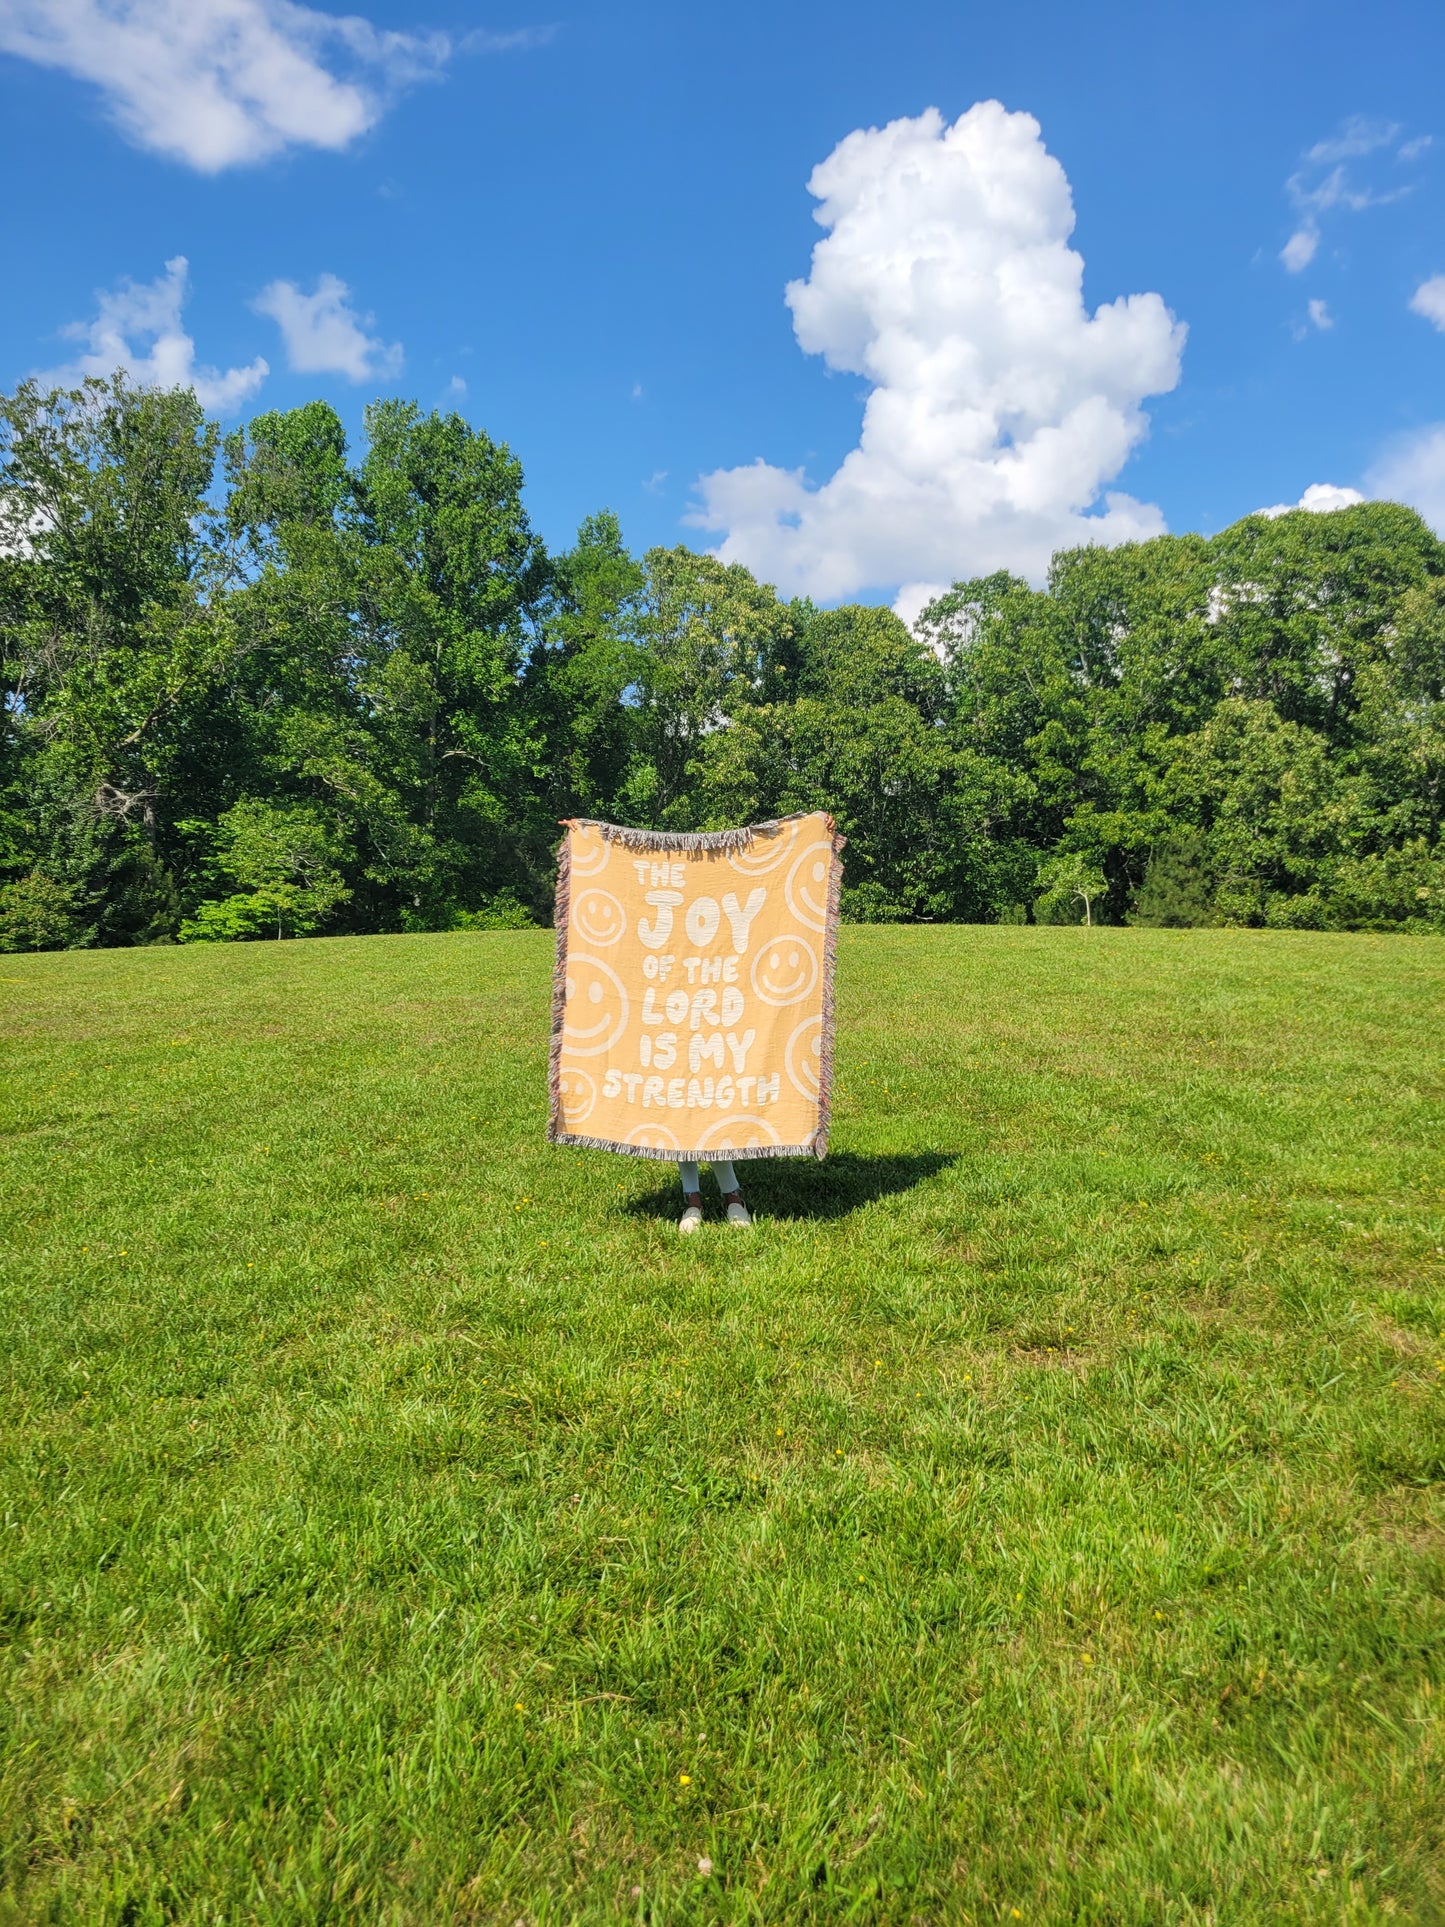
x=577 y=224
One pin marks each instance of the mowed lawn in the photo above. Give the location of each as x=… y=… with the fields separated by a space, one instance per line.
x=1039 y=1516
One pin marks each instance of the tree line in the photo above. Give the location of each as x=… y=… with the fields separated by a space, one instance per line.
x=258 y=685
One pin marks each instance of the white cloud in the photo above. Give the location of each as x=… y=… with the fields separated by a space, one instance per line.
x=1429 y=300
x=217 y=83
x=138 y=329
x=515 y=40
x=1320 y=498
x=914 y=598
x=1357 y=137
x=999 y=406
x=1324 y=182
x=1300 y=249
x=323 y=333
x=1413 y=471
x=1320 y=315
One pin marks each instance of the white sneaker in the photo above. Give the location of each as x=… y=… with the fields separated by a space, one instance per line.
x=738 y=1215
x=691 y=1220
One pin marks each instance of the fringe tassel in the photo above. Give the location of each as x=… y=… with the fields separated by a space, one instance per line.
x=687 y=842
x=830 y=961
x=562 y=915
x=675 y=1157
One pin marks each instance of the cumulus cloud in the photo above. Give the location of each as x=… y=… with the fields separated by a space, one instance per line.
x=1320 y=498
x=1429 y=300
x=914 y=597
x=324 y=335
x=1412 y=470
x=218 y=83
x=1324 y=181
x=1320 y=315
x=999 y=406
x=138 y=328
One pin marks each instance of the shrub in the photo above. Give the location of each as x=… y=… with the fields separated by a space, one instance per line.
x=504 y=911
x=1306 y=911
x=37 y=913
x=276 y=910
x=1395 y=888
x=870 y=903
x=1175 y=894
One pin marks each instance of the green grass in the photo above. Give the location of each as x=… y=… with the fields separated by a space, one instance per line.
x=1040 y=1515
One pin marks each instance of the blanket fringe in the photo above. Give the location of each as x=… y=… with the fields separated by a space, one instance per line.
x=686 y=842
x=559 y=990
x=752 y=1151
x=830 y=960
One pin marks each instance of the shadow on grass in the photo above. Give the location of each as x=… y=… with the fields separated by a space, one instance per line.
x=802 y=1187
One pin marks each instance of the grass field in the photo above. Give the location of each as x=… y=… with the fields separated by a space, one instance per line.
x=1040 y=1516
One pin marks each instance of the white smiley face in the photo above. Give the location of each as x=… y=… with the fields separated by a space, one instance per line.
x=597 y=1006
x=651 y=1137
x=785 y=970
x=764 y=853
x=589 y=853
x=804 y=1057
x=807 y=886
x=578 y=1091
x=599 y=917
x=739 y=1133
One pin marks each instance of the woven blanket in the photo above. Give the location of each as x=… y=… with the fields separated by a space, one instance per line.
x=692 y=1002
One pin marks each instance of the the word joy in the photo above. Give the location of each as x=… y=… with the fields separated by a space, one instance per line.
x=702 y=918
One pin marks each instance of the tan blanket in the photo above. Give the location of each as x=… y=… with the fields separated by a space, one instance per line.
x=692 y=1004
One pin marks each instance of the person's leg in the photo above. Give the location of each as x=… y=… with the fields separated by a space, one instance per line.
x=727 y=1183
x=691 y=1196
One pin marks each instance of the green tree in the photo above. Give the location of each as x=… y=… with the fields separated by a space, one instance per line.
x=1069 y=887
x=286 y=861
x=580 y=673
x=390 y=616
x=1177 y=892
x=1270 y=802
x=113 y=565
x=448 y=574
x=1304 y=603
x=707 y=633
